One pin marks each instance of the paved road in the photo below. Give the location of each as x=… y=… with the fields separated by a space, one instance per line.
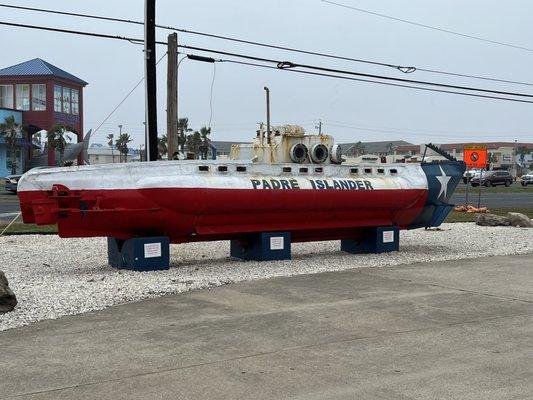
x=9 y=206
x=450 y=330
x=504 y=200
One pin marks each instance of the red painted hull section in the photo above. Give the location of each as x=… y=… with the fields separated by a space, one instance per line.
x=186 y=215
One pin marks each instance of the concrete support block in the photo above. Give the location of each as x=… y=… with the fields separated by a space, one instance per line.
x=266 y=246
x=139 y=254
x=375 y=240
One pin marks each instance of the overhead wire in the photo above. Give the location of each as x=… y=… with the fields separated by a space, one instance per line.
x=404 y=69
x=289 y=66
x=427 y=26
x=379 y=83
x=124 y=99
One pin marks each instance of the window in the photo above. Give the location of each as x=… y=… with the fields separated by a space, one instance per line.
x=6 y=96
x=75 y=101
x=38 y=97
x=66 y=100
x=23 y=97
x=58 y=99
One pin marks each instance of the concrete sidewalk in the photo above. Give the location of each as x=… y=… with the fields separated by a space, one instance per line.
x=449 y=330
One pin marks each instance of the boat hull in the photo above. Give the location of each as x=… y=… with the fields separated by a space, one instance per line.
x=180 y=201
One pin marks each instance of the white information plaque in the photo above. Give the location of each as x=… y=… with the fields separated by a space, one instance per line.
x=152 y=250
x=388 y=236
x=277 y=243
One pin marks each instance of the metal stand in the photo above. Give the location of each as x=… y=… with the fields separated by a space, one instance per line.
x=266 y=246
x=376 y=240
x=139 y=254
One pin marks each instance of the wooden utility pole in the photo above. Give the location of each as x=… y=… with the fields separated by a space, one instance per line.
x=172 y=95
x=150 y=81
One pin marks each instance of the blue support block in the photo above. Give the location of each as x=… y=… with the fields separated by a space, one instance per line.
x=139 y=254
x=375 y=240
x=266 y=246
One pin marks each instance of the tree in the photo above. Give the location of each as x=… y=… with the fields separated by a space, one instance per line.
x=390 y=148
x=204 y=136
x=183 y=130
x=122 y=145
x=57 y=139
x=198 y=142
x=11 y=131
x=359 y=149
x=162 y=146
x=193 y=142
x=522 y=152
x=110 y=144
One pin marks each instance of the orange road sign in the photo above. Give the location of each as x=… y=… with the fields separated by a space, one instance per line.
x=475 y=155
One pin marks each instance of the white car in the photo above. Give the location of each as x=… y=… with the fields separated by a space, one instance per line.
x=527 y=179
x=469 y=174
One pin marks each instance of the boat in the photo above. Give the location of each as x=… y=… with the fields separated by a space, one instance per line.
x=284 y=181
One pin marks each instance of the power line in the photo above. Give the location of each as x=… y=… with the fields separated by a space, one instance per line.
x=124 y=99
x=403 y=69
x=379 y=83
x=289 y=66
x=427 y=26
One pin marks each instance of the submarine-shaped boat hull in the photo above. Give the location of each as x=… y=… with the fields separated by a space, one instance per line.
x=212 y=200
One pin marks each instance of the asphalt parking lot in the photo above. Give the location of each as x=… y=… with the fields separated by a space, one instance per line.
x=446 y=330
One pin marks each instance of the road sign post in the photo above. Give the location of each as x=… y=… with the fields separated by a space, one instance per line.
x=476 y=156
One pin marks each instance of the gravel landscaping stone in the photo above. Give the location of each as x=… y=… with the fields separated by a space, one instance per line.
x=55 y=277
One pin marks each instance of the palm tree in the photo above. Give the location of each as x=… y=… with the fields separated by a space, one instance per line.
x=390 y=148
x=122 y=145
x=110 y=144
x=183 y=130
x=11 y=131
x=359 y=148
x=57 y=139
x=162 y=146
x=204 y=136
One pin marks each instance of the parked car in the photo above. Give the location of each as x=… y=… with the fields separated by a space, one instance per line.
x=493 y=178
x=469 y=174
x=11 y=182
x=527 y=179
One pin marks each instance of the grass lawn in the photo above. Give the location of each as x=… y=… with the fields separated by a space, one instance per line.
x=6 y=197
x=455 y=216
x=514 y=188
x=20 y=228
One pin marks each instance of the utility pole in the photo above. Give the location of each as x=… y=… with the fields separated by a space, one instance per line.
x=150 y=80
x=267 y=91
x=319 y=127
x=172 y=95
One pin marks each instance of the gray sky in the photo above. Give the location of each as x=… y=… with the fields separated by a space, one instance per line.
x=346 y=108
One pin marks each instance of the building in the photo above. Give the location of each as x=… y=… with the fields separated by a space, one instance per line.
x=500 y=153
x=24 y=147
x=106 y=155
x=222 y=148
x=45 y=95
x=380 y=149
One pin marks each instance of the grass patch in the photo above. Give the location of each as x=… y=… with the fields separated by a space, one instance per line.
x=25 y=229
x=514 y=188
x=6 y=197
x=456 y=216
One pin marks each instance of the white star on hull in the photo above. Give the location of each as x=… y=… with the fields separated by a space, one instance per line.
x=443 y=180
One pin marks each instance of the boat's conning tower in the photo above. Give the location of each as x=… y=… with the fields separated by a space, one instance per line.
x=289 y=144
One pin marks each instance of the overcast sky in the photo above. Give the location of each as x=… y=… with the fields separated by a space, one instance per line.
x=350 y=111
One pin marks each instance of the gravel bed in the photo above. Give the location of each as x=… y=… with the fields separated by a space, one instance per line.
x=53 y=277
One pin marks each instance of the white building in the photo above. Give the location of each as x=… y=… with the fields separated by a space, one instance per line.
x=106 y=155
